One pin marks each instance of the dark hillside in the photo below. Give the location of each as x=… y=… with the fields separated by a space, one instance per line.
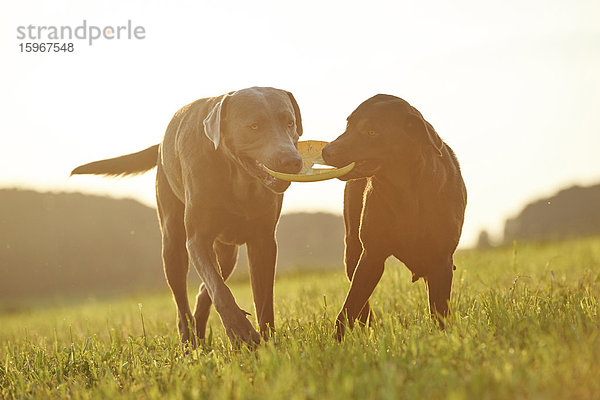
x=572 y=212
x=70 y=243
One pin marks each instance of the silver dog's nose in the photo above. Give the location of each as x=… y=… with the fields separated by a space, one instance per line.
x=288 y=162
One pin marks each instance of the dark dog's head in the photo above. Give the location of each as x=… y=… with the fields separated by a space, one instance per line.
x=258 y=126
x=382 y=130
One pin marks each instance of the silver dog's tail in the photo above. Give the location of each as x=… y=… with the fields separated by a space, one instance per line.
x=130 y=164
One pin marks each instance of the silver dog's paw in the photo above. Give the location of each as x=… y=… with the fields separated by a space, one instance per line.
x=239 y=330
x=186 y=327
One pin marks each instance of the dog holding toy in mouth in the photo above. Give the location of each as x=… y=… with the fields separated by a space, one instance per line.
x=405 y=197
x=213 y=194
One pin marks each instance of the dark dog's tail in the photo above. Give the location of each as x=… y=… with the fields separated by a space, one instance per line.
x=130 y=164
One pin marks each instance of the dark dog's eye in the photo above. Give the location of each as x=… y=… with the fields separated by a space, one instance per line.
x=254 y=127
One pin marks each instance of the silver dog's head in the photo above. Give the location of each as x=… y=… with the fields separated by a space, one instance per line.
x=258 y=127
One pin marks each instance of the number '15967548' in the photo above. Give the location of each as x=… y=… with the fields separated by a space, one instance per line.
x=46 y=47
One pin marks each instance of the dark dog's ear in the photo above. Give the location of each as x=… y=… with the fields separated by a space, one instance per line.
x=434 y=138
x=416 y=120
x=212 y=122
x=296 y=114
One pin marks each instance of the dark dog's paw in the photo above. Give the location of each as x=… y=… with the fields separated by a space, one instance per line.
x=341 y=324
x=340 y=329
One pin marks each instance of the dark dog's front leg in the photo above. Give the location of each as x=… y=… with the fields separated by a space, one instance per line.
x=353 y=206
x=366 y=276
x=351 y=257
x=439 y=284
x=262 y=255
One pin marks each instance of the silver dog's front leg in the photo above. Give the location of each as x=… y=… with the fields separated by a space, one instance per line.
x=262 y=255
x=202 y=256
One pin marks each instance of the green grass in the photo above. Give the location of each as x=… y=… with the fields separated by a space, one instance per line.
x=526 y=324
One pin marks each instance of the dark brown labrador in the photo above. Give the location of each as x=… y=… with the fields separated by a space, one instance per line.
x=213 y=195
x=405 y=198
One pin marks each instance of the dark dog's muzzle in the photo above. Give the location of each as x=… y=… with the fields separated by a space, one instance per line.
x=333 y=155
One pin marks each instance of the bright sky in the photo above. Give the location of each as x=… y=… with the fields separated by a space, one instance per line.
x=512 y=86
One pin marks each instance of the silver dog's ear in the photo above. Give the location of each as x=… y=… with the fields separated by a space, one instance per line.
x=297 y=115
x=416 y=118
x=212 y=122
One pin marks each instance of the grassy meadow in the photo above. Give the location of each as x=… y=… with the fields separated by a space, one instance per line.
x=526 y=324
